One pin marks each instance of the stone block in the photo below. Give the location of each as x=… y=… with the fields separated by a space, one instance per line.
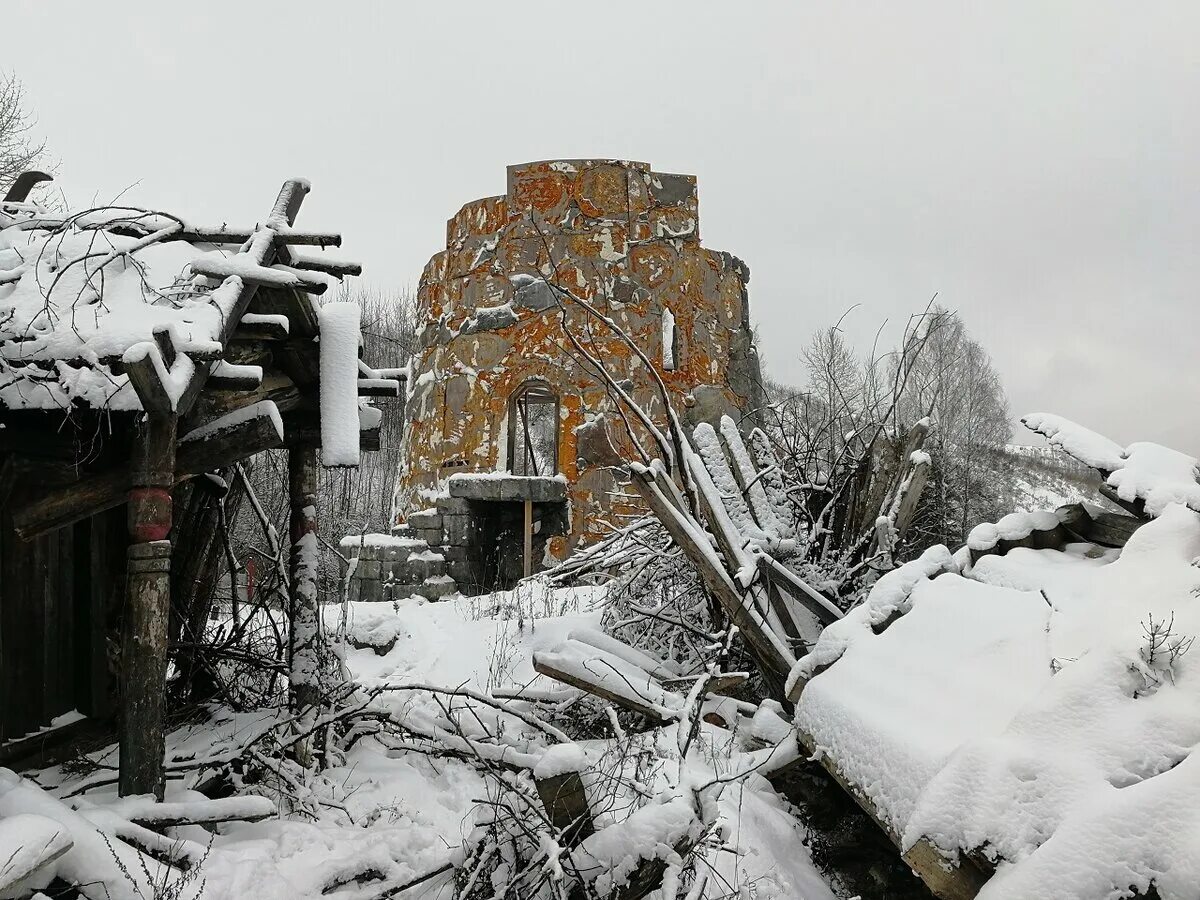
x=426 y=518
x=485 y=488
x=457 y=530
x=419 y=568
x=370 y=590
x=437 y=588
x=367 y=569
x=450 y=506
x=431 y=536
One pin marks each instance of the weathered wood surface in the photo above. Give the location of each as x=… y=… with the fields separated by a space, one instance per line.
x=545 y=664
x=147 y=606
x=144 y=669
x=141 y=811
x=1103 y=528
x=260 y=276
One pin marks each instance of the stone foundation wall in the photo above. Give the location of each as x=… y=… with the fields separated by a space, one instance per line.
x=627 y=240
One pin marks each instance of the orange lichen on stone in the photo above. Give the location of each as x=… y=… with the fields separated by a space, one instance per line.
x=497 y=315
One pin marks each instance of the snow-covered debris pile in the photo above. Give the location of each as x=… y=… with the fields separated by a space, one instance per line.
x=1039 y=712
x=1147 y=475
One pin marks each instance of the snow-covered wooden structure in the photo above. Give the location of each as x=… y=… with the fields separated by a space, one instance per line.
x=139 y=351
x=1019 y=715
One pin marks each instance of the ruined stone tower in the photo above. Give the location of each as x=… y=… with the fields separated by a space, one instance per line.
x=504 y=419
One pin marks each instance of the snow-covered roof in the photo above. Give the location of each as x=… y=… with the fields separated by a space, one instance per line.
x=79 y=291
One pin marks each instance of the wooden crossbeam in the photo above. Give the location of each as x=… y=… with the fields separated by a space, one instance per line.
x=259 y=275
x=229 y=377
x=261 y=248
x=378 y=387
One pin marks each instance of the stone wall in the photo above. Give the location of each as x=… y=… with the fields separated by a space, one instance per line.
x=626 y=239
x=391 y=567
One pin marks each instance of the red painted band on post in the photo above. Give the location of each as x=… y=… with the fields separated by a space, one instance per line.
x=153 y=505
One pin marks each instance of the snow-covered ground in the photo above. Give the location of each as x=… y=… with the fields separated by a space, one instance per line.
x=404 y=813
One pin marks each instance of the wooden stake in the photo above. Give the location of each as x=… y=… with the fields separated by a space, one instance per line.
x=528 y=538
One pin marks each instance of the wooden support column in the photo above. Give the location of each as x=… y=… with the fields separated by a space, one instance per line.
x=528 y=538
x=304 y=649
x=147 y=604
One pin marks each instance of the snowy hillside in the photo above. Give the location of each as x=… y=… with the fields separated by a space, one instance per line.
x=1041 y=478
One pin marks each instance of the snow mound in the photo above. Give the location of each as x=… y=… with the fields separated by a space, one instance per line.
x=1042 y=711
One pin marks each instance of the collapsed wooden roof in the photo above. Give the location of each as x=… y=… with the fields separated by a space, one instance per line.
x=116 y=310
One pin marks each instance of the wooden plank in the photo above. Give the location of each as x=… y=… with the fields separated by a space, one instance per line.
x=775 y=666
x=259 y=275
x=545 y=664
x=335 y=267
x=378 y=387
x=1136 y=508
x=41 y=840
x=276 y=387
x=261 y=330
x=721 y=683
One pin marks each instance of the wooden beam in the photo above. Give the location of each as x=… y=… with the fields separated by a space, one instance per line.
x=257 y=327
x=147 y=371
x=94 y=494
x=277 y=388
x=1104 y=528
x=957 y=879
x=262 y=250
x=1135 y=508
x=544 y=664
x=775 y=666
x=378 y=387
x=18 y=191
x=231 y=377
x=566 y=805
x=334 y=267
x=527 y=532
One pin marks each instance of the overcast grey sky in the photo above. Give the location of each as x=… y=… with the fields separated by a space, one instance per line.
x=1036 y=164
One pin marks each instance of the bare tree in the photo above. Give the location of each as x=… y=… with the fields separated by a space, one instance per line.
x=20 y=149
x=955 y=384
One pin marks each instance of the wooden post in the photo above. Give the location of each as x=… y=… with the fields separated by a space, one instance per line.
x=304 y=647
x=566 y=806
x=147 y=604
x=528 y=538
